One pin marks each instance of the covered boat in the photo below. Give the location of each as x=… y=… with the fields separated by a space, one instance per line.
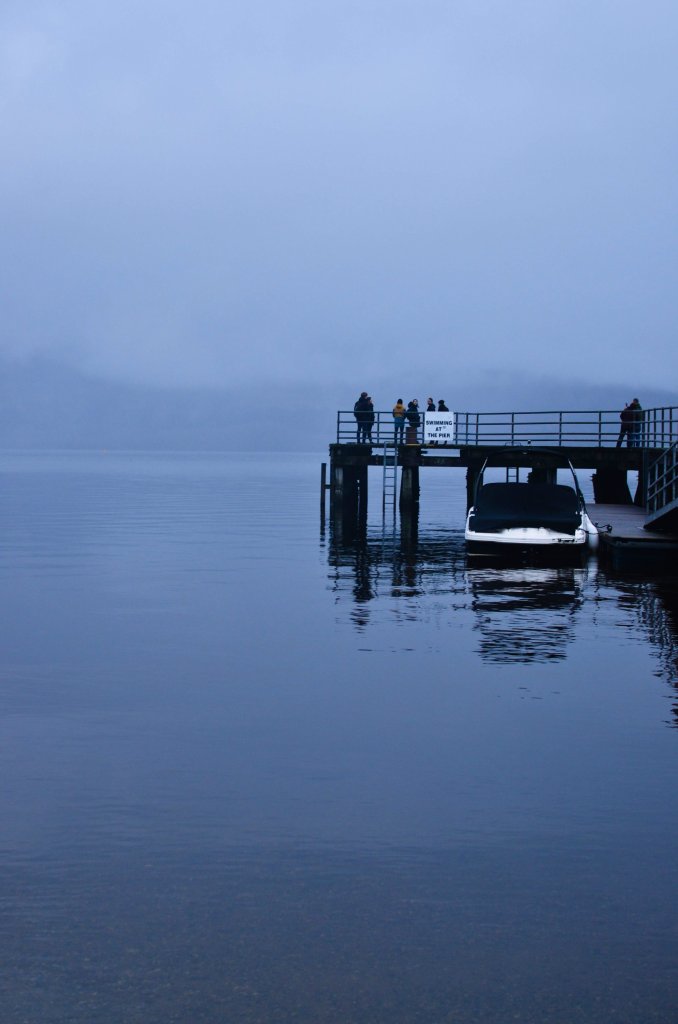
x=539 y=514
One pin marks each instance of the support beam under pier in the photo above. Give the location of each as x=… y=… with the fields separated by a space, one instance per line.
x=410 y=459
x=610 y=487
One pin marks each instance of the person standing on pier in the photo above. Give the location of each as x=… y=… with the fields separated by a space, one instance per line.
x=430 y=405
x=625 y=416
x=369 y=423
x=363 y=410
x=636 y=411
x=412 y=414
x=441 y=405
x=631 y=418
x=413 y=420
x=399 y=420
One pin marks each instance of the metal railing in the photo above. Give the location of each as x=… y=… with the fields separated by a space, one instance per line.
x=658 y=428
x=662 y=480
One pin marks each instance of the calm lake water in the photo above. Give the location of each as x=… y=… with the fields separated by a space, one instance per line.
x=254 y=771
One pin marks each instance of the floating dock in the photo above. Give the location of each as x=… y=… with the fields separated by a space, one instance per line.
x=627 y=543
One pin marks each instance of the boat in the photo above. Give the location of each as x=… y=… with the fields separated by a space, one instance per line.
x=539 y=515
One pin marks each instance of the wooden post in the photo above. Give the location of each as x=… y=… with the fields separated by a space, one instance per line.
x=337 y=484
x=543 y=475
x=350 y=492
x=610 y=487
x=361 y=480
x=640 y=497
x=409 y=523
x=323 y=487
x=409 y=486
x=472 y=474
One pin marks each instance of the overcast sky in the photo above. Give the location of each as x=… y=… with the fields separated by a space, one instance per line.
x=239 y=193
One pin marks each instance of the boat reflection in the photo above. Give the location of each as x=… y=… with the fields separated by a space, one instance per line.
x=525 y=614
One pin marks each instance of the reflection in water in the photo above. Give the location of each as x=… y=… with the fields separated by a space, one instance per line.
x=402 y=564
x=657 y=605
x=525 y=614
x=240 y=794
x=522 y=614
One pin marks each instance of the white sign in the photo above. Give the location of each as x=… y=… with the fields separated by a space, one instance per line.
x=439 y=428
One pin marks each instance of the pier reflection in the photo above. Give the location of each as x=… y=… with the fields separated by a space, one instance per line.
x=519 y=613
x=657 y=605
x=402 y=564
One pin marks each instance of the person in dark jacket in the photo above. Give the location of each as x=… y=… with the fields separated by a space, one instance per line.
x=413 y=420
x=430 y=405
x=363 y=410
x=625 y=429
x=636 y=411
x=412 y=414
x=441 y=405
x=631 y=418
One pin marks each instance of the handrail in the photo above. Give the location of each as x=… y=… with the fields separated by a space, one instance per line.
x=662 y=480
x=657 y=428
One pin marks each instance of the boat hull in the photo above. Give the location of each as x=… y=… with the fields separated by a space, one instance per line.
x=523 y=518
x=518 y=542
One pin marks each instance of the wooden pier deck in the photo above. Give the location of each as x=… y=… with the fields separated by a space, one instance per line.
x=626 y=543
x=624 y=522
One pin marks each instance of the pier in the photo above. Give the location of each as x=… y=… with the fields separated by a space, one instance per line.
x=645 y=521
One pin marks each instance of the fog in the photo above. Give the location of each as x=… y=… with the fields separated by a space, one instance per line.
x=44 y=405
x=254 y=204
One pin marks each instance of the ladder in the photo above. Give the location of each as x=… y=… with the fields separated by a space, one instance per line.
x=513 y=474
x=390 y=480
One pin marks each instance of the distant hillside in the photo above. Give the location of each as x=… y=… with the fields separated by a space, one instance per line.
x=48 y=405
x=45 y=405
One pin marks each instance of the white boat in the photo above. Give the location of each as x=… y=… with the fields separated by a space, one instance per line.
x=539 y=515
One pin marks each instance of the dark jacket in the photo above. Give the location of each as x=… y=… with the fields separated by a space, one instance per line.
x=363 y=410
x=412 y=415
x=631 y=414
x=636 y=411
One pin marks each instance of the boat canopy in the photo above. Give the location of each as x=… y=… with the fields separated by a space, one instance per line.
x=504 y=506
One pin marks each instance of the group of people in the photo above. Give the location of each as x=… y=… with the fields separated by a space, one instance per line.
x=631 y=418
x=363 y=410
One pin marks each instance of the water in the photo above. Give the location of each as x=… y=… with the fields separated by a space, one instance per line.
x=258 y=772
